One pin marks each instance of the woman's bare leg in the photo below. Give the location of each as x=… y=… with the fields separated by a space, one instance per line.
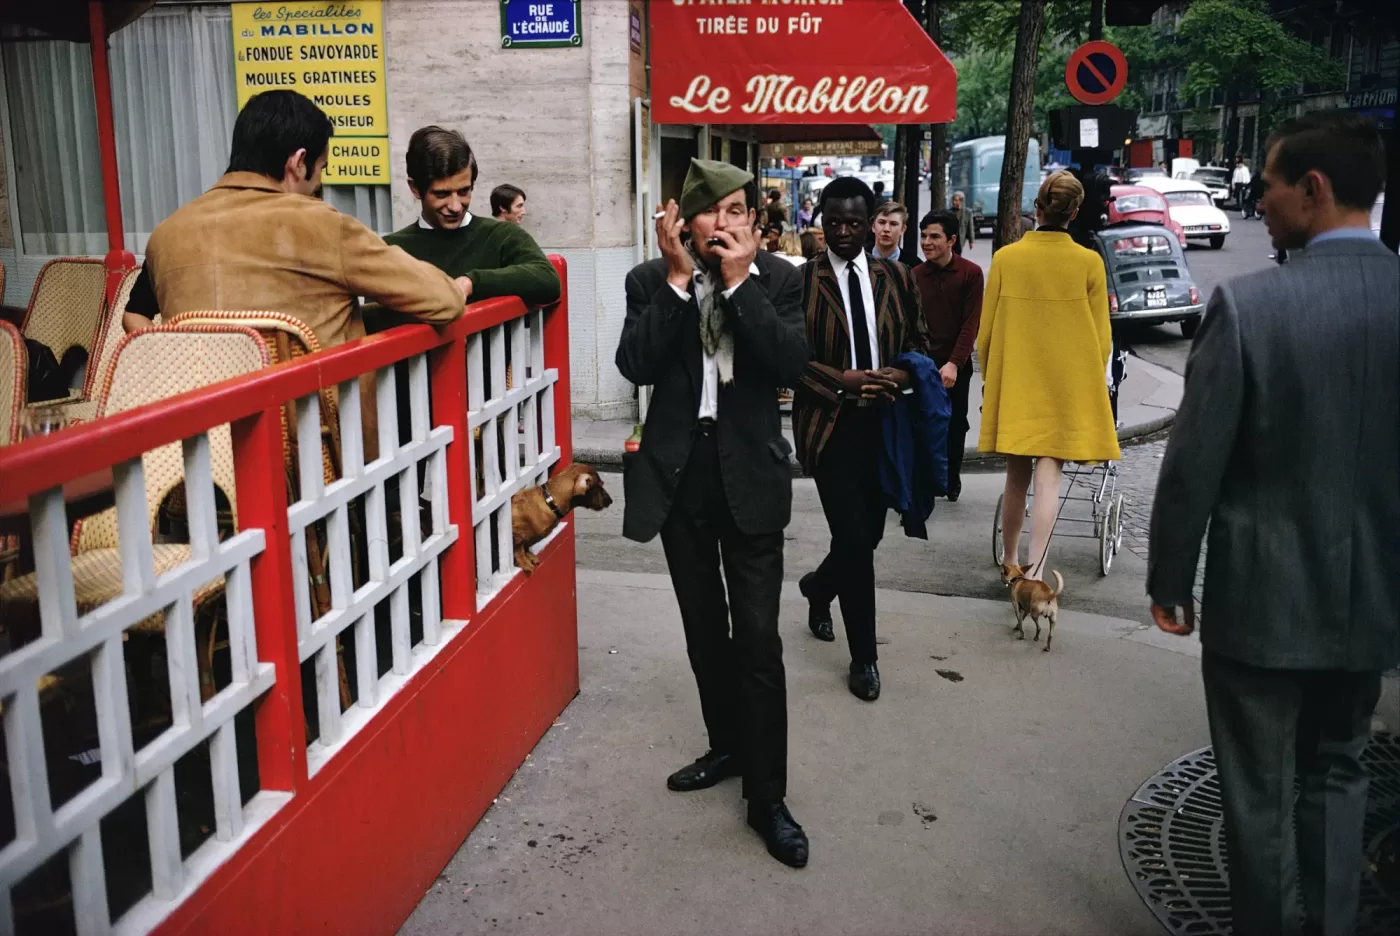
x=1013 y=504
x=1048 y=472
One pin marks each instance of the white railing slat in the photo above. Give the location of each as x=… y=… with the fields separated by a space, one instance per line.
x=90 y=914
x=228 y=797
x=58 y=609
x=386 y=396
x=133 y=527
x=366 y=661
x=310 y=469
x=200 y=506
x=328 y=692
x=163 y=834
x=113 y=710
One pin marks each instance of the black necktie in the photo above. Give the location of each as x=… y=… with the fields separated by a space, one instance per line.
x=858 y=326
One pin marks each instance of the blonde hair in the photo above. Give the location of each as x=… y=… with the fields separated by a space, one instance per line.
x=1059 y=198
x=790 y=244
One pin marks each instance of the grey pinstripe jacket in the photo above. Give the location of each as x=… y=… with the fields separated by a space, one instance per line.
x=1288 y=442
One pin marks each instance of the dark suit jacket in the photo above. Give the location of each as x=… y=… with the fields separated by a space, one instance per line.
x=818 y=396
x=1288 y=442
x=660 y=347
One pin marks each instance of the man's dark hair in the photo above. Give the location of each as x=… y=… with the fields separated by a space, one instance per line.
x=271 y=127
x=775 y=194
x=944 y=219
x=435 y=153
x=503 y=198
x=848 y=187
x=879 y=187
x=1344 y=147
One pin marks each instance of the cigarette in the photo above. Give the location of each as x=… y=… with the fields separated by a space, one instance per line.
x=658 y=216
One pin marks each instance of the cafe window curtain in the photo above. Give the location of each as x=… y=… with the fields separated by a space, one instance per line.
x=174 y=104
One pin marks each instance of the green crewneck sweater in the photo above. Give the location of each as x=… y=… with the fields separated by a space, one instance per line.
x=501 y=258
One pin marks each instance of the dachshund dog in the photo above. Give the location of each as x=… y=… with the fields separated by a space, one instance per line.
x=535 y=511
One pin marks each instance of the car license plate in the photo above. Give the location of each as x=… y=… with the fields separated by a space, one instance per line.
x=1157 y=299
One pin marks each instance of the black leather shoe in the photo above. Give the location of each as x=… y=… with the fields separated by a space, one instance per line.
x=954 y=495
x=818 y=613
x=708 y=770
x=784 y=837
x=865 y=681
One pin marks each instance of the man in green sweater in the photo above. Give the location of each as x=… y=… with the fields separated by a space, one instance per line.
x=487 y=258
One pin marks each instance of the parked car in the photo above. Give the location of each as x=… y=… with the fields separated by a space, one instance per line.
x=1148 y=280
x=1132 y=176
x=974 y=168
x=1138 y=204
x=1190 y=204
x=1215 y=179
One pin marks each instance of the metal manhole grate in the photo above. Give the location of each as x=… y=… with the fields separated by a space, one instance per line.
x=1171 y=838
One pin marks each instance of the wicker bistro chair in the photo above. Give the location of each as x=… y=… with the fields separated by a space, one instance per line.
x=14 y=379
x=82 y=405
x=66 y=306
x=148 y=366
x=288 y=338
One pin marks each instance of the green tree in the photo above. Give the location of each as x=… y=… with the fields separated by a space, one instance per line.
x=1236 y=46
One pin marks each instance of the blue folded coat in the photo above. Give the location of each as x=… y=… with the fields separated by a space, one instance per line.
x=914 y=429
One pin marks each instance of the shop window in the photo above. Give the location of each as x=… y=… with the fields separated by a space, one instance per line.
x=173 y=104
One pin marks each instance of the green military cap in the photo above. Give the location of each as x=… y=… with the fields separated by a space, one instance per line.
x=707 y=182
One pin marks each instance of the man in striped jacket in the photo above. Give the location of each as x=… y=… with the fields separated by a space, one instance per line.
x=861 y=313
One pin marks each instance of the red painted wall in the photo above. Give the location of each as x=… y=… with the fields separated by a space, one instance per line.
x=356 y=849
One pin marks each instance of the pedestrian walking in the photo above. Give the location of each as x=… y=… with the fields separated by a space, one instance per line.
x=714 y=326
x=804 y=215
x=1239 y=181
x=861 y=313
x=775 y=212
x=950 y=297
x=1044 y=343
x=1296 y=476
x=891 y=219
x=967 y=225
x=508 y=203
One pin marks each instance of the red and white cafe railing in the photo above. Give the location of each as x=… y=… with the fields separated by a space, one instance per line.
x=347 y=833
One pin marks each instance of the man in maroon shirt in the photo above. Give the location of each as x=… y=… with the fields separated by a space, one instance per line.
x=950 y=291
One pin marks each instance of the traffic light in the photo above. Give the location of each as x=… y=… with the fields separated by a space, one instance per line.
x=1130 y=12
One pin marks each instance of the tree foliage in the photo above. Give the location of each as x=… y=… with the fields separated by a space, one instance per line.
x=1237 y=46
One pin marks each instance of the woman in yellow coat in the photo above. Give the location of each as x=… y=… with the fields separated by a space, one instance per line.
x=1043 y=346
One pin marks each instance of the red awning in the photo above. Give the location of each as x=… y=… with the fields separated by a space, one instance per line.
x=844 y=61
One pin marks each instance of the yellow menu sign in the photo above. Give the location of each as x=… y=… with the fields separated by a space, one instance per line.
x=334 y=54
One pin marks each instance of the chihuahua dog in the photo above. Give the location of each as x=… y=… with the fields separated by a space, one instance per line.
x=1034 y=598
x=535 y=511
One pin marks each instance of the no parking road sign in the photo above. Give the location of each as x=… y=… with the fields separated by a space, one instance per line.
x=1096 y=72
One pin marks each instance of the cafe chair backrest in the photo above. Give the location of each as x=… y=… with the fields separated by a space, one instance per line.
x=109 y=336
x=159 y=363
x=288 y=338
x=14 y=377
x=66 y=306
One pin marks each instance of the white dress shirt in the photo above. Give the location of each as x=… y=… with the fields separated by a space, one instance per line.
x=466 y=219
x=867 y=296
x=709 y=370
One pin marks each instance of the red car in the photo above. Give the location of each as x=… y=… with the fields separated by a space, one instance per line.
x=1137 y=204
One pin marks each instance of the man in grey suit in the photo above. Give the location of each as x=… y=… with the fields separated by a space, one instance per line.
x=1288 y=443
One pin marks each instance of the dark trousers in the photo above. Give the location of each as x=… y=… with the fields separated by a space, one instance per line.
x=1295 y=862
x=957 y=427
x=848 y=482
x=734 y=647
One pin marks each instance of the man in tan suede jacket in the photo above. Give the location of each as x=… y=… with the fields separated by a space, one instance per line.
x=260 y=240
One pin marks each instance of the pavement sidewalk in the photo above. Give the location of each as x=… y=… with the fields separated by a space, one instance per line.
x=980 y=794
x=1147 y=403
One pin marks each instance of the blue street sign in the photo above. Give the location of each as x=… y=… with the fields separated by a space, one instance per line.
x=541 y=24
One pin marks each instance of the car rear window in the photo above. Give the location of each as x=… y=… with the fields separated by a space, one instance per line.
x=1188 y=198
x=1141 y=246
x=1207 y=177
x=1127 y=203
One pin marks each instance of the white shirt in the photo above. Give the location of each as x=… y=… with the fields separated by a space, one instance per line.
x=709 y=370
x=1241 y=175
x=867 y=296
x=466 y=219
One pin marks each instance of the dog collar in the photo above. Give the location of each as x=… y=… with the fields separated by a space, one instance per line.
x=1014 y=579
x=549 y=499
